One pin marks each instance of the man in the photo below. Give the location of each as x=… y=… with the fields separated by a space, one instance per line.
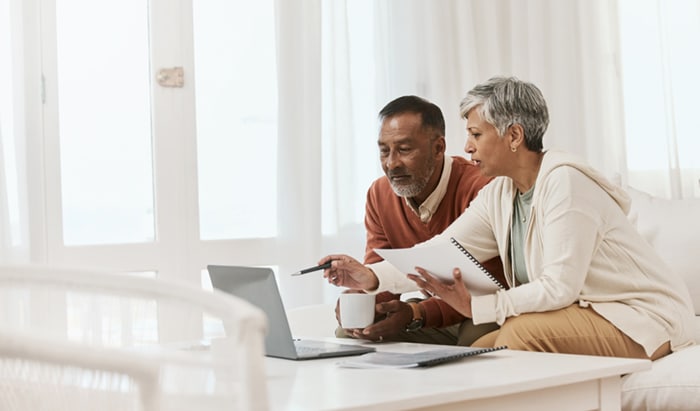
x=422 y=192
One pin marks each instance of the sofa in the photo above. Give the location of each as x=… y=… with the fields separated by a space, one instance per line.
x=673 y=382
x=673 y=229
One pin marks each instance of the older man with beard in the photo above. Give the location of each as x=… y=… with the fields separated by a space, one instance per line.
x=422 y=192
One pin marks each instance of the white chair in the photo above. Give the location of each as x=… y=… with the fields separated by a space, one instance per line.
x=73 y=339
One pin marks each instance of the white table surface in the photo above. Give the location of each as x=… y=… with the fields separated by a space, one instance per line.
x=500 y=380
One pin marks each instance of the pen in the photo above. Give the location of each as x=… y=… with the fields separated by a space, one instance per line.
x=312 y=269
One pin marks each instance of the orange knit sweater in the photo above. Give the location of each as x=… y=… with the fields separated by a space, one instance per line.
x=390 y=223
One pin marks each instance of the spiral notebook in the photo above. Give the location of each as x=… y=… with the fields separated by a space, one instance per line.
x=384 y=359
x=439 y=259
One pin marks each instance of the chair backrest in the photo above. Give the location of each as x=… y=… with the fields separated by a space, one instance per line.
x=85 y=339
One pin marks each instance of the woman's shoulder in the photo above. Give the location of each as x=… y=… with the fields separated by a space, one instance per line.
x=498 y=188
x=560 y=168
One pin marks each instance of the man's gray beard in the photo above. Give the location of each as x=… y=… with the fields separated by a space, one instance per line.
x=408 y=191
x=414 y=189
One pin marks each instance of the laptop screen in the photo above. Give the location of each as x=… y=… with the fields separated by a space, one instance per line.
x=258 y=286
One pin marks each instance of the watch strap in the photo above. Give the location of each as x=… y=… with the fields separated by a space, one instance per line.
x=417 y=321
x=417 y=312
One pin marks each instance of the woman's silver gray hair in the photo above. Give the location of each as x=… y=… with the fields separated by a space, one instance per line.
x=504 y=101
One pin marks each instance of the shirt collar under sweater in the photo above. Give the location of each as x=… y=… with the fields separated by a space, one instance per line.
x=426 y=210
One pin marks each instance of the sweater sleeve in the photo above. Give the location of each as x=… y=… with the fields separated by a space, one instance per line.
x=375 y=237
x=439 y=314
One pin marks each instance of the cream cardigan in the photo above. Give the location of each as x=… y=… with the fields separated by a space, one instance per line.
x=579 y=247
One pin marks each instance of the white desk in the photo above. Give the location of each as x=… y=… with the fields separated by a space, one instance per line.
x=501 y=380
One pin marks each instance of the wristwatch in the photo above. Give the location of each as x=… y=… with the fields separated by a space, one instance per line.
x=418 y=320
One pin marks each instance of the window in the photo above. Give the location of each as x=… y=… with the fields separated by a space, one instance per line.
x=128 y=174
x=236 y=109
x=660 y=85
x=104 y=118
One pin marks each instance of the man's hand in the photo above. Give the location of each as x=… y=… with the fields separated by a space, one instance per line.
x=454 y=293
x=380 y=298
x=397 y=316
x=347 y=272
x=378 y=316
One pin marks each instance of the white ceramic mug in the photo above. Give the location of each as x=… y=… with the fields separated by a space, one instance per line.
x=356 y=310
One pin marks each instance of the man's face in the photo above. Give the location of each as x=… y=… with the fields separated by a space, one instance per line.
x=409 y=158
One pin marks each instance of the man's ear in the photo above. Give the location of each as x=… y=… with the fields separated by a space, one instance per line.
x=440 y=145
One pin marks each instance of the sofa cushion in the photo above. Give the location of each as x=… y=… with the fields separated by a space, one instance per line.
x=673 y=229
x=672 y=383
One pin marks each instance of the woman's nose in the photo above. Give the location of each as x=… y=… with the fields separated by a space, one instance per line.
x=469 y=147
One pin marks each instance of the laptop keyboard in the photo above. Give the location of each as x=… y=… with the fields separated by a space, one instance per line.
x=305 y=350
x=310 y=347
x=322 y=349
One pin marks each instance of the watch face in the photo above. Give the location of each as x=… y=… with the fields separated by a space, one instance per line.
x=414 y=325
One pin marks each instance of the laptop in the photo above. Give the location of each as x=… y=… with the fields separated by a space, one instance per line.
x=258 y=286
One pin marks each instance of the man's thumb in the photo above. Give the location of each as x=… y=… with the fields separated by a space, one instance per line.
x=386 y=307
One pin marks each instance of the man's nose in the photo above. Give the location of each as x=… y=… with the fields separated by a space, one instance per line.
x=392 y=160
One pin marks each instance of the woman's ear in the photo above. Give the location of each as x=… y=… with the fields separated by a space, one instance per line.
x=516 y=135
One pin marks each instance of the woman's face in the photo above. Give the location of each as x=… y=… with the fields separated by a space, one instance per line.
x=489 y=152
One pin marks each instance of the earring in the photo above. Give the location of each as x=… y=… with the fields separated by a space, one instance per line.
x=513 y=149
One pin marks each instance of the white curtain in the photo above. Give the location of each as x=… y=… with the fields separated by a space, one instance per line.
x=620 y=76
x=14 y=204
x=299 y=144
x=568 y=48
x=661 y=86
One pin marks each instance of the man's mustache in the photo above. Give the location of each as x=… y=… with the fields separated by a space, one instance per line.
x=398 y=172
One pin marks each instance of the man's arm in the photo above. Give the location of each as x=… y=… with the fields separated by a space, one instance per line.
x=376 y=237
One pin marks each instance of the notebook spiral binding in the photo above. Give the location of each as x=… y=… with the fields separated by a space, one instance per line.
x=476 y=262
x=441 y=360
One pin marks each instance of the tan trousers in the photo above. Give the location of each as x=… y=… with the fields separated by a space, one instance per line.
x=571 y=330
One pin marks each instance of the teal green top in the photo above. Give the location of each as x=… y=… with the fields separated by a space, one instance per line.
x=521 y=218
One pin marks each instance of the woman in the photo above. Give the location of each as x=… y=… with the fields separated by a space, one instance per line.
x=582 y=280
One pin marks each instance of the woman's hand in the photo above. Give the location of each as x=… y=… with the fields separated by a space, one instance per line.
x=347 y=272
x=454 y=293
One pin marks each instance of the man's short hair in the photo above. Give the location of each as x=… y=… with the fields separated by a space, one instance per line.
x=431 y=115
